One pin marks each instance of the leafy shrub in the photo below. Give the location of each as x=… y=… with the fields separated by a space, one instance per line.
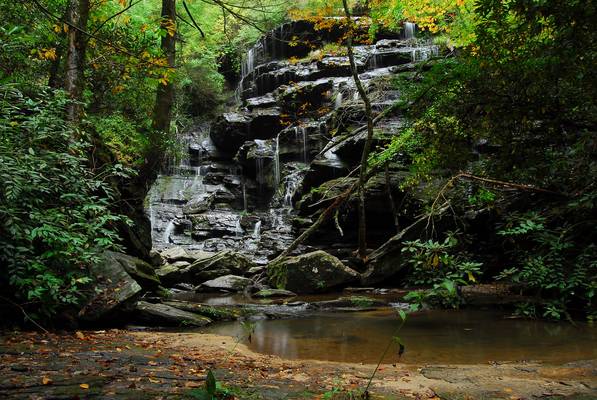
x=55 y=215
x=122 y=137
x=549 y=264
x=432 y=262
x=442 y=266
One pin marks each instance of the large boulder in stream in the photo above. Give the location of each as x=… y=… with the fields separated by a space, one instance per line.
x=207 y=266
x=165 y=315
x=116 y=291
x=311 y=273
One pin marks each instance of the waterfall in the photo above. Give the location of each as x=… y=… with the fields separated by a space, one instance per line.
x=259 y=173
x=168 y=231
x=257 y=230
x=424 y=53
x=277 y=160
x=338 y=101
x=245 y=202
x=238 y=229
x=291 y=183
x=305 y=145
x=249 y=64
x=409 y=30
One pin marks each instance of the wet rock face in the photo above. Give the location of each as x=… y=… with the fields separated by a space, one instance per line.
x=311 y=273
x=256 y=167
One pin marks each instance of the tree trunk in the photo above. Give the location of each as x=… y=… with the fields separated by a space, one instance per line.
x=164 y=101
x=367 y=148
x=74 y=82
x=162 y=112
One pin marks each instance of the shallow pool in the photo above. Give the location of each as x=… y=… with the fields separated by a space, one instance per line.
x=458 y=337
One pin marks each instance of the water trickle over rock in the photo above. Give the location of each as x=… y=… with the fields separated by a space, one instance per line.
x=242 y=182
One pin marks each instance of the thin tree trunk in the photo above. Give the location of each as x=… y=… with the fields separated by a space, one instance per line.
x=74 y=82
x=391 y=199
x=362 y=251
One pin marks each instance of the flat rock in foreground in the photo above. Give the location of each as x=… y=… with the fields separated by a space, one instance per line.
x=162 y=314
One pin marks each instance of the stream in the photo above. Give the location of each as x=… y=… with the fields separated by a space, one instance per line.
x=437 y=336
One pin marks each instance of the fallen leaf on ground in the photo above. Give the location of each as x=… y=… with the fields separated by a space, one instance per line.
x=46 y=381
x=84 y=386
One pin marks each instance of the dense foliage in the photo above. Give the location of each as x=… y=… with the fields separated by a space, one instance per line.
x=62 y=179
x=510 y=123
x=55 y=210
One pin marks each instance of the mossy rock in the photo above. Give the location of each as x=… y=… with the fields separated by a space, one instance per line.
x=268 y=293
x=314 y=272
x=218 y=313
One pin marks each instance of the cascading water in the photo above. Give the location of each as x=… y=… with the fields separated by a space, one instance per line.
x=257 y=230
x=424 y=53
x=277 y=160
x=409 y=30
x=242 y=198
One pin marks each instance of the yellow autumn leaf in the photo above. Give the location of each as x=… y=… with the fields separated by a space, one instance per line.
x=47 y=54
x=80 y=335
x=471 y=277
x=153 y=380
x=46 y=381
x=435 y=261
x=84 y=386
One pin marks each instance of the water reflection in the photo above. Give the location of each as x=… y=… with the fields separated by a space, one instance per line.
x=436 y=336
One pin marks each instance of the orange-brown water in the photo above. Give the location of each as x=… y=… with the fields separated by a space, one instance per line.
x=455 y=337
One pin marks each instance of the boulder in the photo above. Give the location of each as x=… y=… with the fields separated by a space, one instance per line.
x=165 y=315
x=229 y=131
x=207 y=266
x=178 y=271
x=116 y=291
x=231 y=283
x=173 y=254
x=311 y=273
x=224 y=263
x=138 y=269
